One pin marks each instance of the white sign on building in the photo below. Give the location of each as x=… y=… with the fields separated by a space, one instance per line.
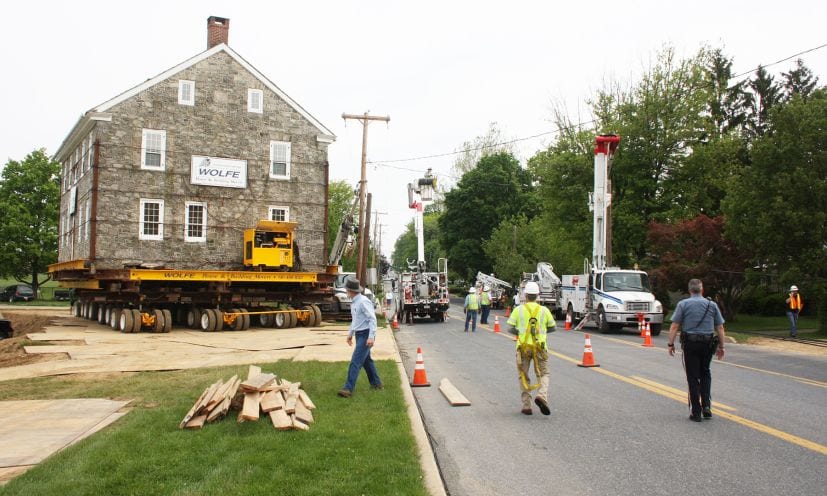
x=215 y=171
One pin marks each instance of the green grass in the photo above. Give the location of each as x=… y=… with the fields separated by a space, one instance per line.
x=361 y=445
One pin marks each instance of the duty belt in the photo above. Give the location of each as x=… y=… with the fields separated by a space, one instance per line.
x=698 y=338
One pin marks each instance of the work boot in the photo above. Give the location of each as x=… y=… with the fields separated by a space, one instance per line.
x=377 y=387
x=526 y=411
x=345 y=393
x=543 y=405
x=707 y=412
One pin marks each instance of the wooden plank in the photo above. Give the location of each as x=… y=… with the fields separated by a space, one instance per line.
x=270 y=401
x=197 y=422
x=298 y=425
x=251 y=406
x=281 y=420
x=190 y=414
x=208 y=396
x=303 y=414
x=221 y=393
x=452 y=394
x=292 y=398
x=306 y=400
x=256 y=383
x=219 y=411
x=253 y=371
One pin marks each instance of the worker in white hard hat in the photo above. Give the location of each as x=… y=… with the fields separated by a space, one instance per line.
x=472 y=306
x=531 y=322
x=485 y=304
x=794 y=306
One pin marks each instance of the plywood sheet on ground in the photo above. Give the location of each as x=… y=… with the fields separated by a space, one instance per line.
x=106 y=350
x=34 y=429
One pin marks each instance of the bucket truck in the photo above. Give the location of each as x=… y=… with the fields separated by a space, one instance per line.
x=549 y=284
x=423 y=293
x=608 y=296
x=496 y=288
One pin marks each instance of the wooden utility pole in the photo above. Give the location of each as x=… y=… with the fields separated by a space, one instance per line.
x=377 y=240
x=366 y=238
x=365 y=119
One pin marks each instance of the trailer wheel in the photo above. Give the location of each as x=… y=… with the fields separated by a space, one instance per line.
x=167 y=320
x=159 y=321
x=115 y=319
x=245 y=319
x=280 y=320
x=290 y=319
x=317 y=312
x=101 y=316
x=194 y=317
x=76 y=309
x=125 y=321
x=265 y=319
x=136 y=320
x=107 y=317
x=219 y=320
x=208 y=320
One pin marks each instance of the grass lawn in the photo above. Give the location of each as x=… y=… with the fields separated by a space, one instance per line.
x=361 y=445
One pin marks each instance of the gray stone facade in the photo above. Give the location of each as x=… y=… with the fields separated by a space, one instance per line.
x=217 y=125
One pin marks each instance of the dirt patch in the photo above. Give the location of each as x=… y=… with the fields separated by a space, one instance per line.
x=11 y=350
x=789 y=346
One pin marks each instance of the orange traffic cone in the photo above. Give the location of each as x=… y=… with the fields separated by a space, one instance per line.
x=568 y=322
x=507 y=312
x=420 y=378
x=642 y=325
x=496 y=323
x=395 y=323
x=647 y=336
x=588 y=356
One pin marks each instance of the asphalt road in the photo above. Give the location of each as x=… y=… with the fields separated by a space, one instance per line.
x=621 y=428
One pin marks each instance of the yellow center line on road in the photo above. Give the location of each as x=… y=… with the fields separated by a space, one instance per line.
x=677 y=393
x=803 y=380
x=664 y=391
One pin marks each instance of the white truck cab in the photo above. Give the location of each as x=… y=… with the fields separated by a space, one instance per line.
x=611 y=298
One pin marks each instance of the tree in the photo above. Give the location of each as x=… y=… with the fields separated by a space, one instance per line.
x=340 y=197
x=766 y=95
x=698 y=248
x=492 y=142
x=799 y=81
x=778 y=204
x=496 y=189
x=727 y=105
x=29 y=202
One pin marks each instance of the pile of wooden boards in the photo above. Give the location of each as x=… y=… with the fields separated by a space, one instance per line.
x=287 y=405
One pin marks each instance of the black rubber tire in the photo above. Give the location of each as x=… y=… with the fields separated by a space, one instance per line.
x=264 y=319
x=655 y=329
x=280 y=320
x=76 y=309
x=245 y=319
x=167 y=321
x=291 y=320
x=307 y=322
x=159 y=321
x=101 y=314
x=207 y=320
x=194 y=317
x=125 y=321
x=115 y=319
x=136 y=317
x=602 y=326
x=318 y=313
x=219 y=320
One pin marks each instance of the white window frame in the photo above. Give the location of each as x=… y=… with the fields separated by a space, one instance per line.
x=195 y=239
x=88 y=226
x=250 y=101
x=273 y=208
x=289 y=151
x=160 y=134
x=91 y=149
x=84 y=157
x=182 y=83
x=141 y=220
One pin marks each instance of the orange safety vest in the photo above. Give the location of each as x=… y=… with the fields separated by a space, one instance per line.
x=795 y=302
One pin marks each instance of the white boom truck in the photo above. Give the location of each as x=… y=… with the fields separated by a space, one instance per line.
x=549 y=287
x=496 y=288
x=608 y=296
x=423 y=293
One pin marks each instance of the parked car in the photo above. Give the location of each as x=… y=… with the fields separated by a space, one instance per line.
x=17 y=292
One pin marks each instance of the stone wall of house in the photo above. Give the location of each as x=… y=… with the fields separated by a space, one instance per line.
x=217 y=125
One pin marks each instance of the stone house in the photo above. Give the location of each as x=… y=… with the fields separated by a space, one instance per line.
x=170 y=173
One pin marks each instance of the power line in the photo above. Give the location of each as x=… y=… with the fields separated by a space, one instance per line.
x=782 y=60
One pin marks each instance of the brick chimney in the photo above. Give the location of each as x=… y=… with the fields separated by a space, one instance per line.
x=218 y=31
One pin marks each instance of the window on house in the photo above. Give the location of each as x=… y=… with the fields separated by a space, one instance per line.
x=281 y=214
x=84 y=157
x=186 y=92
x=91 y=149
x=280 y=160
x=151 y=225
x=255 y=101
x=195 y=224
x=153 y=149
x=88 y=219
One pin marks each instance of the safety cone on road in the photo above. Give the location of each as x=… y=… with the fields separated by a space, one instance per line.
x=568 y=322
x=496 y=323
x=507 y=312
x=642 y=325
x=420 y=378
x=647 y=335
x=588 y=356
x=395 y=324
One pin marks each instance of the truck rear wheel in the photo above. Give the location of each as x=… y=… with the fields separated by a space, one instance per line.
x=125 y=321
x=207 y=320
x=167 y=320
x=219 y=320
x=136 y=320
x=317 y=312
x=115 y=319
x=194 y=317
x=294 y=319
x=159 y=321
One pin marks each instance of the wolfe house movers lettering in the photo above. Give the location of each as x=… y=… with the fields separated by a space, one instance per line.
x=215 y=171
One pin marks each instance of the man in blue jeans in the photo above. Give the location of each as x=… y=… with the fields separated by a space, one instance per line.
x=363 y=326
x=472 y=306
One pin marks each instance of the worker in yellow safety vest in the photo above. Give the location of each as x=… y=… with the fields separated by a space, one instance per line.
x=531 y=322
x=485 y=304
x=472 y=306
x=794 y=307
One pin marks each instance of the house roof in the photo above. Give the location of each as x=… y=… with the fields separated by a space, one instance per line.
x=99 y=112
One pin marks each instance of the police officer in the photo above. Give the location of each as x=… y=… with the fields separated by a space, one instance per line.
x=698 y=319
x=531 y=322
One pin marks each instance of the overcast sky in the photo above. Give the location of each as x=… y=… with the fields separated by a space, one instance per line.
x=443 y=70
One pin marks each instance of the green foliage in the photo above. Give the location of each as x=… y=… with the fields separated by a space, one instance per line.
x=340 y=197
x=29 y=203
x=758 y=300
x=496 y=189
x=492 y=142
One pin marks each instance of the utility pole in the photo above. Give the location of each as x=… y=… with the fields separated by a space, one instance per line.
x=366 y=238
x=363 y=239
x=377 y=239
